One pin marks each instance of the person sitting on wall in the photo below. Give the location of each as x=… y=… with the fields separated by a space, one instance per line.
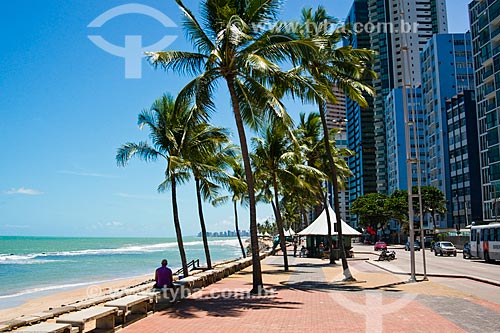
x=163 y=276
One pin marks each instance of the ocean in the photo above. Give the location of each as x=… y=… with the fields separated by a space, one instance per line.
x=36 y=266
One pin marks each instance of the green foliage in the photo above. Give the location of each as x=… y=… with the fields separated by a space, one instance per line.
x=433 y=200
x=174 y=129
x=397 y=205
x=370 y=209
x=267 y=226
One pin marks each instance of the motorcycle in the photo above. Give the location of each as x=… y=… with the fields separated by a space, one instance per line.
x=387 y=255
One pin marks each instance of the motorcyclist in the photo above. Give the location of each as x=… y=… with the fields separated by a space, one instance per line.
x=386 y=255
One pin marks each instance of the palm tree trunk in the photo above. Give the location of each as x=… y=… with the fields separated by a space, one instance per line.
x=304 y=217
x=433 y=224
x=347 y=273
x=238 y=229
x=279 y=222
x=177 y=225
x=257 y=285
x=202 y=224
x=329 y=223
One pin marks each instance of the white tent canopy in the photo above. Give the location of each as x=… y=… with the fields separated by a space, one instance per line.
x=320 y=226
x=289 y=232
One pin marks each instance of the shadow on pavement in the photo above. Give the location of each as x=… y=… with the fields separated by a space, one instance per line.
x=226 y=304
x=310 y=286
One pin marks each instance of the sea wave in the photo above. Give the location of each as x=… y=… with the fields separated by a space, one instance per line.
x=56 y=287
x=44 y=257
x=47 y=288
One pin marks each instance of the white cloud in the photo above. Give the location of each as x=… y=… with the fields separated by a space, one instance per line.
x=86 y=174
x=22 y=190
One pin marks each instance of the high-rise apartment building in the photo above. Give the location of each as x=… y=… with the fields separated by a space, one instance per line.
x=485 y=29
x=336 y=121
x=360 y=121
x=398 y=24
x=336 y=113
x=446 y=70
x=397 y=177
x=466 y=199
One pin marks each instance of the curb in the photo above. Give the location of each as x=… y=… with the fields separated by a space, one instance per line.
x=454 y=276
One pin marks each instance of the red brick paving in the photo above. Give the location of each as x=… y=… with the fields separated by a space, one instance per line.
x=290 y=309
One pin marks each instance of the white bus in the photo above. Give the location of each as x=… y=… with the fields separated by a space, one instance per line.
x=485 y=241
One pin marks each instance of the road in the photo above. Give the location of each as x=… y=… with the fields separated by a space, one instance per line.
x=444 y=265
x=437 y=264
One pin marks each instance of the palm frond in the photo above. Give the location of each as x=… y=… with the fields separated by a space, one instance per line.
x=186 y=63
x=194 y=32
x=142 y=150
x=257 y=11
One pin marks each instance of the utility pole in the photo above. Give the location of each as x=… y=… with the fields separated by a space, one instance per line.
x=412 y=159
x=466 y=213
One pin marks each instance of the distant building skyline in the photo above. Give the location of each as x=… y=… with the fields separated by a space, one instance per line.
x=227 y=233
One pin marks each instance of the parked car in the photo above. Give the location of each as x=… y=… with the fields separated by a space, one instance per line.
x=467 y=252
x=443 y=248
x=416 y=245
x=380 y=246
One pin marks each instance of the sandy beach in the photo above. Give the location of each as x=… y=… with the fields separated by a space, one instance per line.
x=67 y=297
x=55 y=300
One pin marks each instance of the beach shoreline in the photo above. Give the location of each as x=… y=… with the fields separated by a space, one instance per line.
x=33 y=303
x=58 y=299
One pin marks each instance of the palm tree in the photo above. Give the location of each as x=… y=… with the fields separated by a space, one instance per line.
x=269 y=159
x=343 y=67
x=168 y=124
x=235 y=182
x=277 y=166
x=206 y=154
x=311 y=138
x=231 y=47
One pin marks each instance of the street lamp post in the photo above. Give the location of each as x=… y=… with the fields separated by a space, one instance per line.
x=458 y=215
x=466 y=213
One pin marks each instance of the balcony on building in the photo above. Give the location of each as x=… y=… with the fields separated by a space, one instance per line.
x=488 y=73
x=495 y=34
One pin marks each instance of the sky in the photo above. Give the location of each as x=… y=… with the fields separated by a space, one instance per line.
x=66 y=105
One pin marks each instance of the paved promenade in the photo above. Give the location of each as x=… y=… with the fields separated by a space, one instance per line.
x=311 y=297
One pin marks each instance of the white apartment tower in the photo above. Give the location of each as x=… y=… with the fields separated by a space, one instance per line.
x=336 y=120
x=398 y=24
